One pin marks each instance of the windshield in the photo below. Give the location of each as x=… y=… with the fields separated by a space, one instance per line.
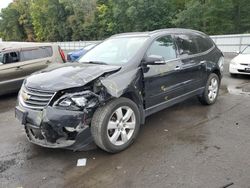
x=114 y=50
x=246 y=50
x=89 y=47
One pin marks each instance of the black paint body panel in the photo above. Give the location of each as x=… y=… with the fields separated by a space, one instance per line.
x=151 y=87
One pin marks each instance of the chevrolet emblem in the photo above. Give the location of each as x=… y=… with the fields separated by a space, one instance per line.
x=25 y=96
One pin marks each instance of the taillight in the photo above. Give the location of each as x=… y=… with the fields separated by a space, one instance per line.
x=62 y=54
x=221 y=63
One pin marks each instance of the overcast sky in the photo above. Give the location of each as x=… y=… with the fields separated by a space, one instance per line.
x=4 y=3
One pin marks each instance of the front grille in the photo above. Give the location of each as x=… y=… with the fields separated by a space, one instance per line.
x=35 y=99
x=245 y=64
x=244 y=71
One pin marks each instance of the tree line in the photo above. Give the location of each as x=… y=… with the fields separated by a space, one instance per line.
x=67 y=20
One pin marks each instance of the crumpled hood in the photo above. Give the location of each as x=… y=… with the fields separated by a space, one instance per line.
x=242 y=58
x=63 y=76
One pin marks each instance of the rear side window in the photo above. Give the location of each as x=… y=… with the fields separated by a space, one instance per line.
x=204 y=43
x=36 y=53
x=164 y=47
x=186 y=44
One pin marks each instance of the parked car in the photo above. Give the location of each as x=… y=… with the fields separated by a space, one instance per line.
x=115 y=86
x=241 y=63
x=18 y=60
x=73 y=56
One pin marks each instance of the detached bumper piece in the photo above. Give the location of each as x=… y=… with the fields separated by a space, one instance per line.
x=54 y=128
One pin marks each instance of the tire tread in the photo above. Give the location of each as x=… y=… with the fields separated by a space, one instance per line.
x=204 y=98
x=99 y=117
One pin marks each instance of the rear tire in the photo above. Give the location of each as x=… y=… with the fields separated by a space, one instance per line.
x=115 y=126
x=211 y=91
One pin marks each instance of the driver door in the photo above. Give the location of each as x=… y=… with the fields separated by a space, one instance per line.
x=163 y=82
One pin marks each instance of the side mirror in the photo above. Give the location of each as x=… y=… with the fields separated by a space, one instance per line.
x=238 y=52
x=154 y=60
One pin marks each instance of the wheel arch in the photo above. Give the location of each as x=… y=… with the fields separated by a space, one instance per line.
x=217 y=72
x=138 y=101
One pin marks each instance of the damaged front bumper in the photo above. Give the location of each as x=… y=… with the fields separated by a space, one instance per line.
x=56 y=128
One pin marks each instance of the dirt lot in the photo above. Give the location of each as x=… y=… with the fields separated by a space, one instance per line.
x=188 y=145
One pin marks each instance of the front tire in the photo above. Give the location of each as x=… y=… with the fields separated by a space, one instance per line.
x=211 y=91
x=115 y=126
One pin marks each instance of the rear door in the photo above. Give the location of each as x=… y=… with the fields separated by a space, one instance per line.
x=162 y=82
x=36 y=58
x=11 y=72
x=192 y=65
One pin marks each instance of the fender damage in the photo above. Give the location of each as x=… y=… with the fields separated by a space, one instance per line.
x=69 y=128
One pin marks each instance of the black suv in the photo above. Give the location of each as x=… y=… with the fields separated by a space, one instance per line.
x=109 y=92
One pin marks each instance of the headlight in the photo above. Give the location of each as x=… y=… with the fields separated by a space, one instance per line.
x=233 y=62
x=80 y=101
x=77 y=101
x=71 y=102
x=221 y=64
x=65 y=103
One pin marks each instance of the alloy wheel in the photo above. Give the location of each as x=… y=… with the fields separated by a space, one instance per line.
x=213 y=89
x=121 y=125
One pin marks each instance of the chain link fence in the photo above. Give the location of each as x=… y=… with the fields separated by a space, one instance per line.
x=232 y=43
x=75 y=45
x=226 y=43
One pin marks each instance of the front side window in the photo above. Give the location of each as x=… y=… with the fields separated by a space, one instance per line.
x=36 y=53
x=163 y=47
x=9 y=57
x=114 y=51
x=186 y=44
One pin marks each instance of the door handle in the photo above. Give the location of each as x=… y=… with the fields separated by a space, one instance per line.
x=177 y=68
x=19 y=68
x=48 y=62
x=202 y=64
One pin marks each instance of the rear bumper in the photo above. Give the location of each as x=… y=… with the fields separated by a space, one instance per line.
x=55 y=128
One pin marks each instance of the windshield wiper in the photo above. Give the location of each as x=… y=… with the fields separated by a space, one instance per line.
x=97 y=62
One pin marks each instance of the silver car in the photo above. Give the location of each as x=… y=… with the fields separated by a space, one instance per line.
x=18 y=60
